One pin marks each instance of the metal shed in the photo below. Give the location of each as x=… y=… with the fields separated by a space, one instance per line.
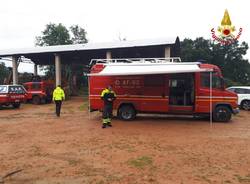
x=81 y=54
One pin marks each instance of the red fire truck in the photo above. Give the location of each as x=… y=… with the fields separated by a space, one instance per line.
x=39 y=92
x=162 y=85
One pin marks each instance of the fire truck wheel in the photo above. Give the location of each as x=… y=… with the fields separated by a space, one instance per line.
x=16 y=105
x=36 y=100
x=245 y=105
x=222 y=114
x=126 y=112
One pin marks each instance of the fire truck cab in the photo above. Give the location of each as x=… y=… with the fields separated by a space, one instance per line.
x=39 y=92
x=162 y=85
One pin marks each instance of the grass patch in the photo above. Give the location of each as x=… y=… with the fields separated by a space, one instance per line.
x=69 y=109
x=72 y=162
x=141 y=162
x=243 y=179
x=123 y=146
x=112 y=178
x=100 y=182
x=84 y=106
x=204 y=178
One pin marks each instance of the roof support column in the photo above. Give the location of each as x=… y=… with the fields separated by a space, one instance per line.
x=108 y=55
x=167 y=52
x=14 y=70
x=58 y=69
x=35 y=69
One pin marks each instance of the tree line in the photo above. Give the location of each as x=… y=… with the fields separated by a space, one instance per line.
x=4 y=72
x=230 y=58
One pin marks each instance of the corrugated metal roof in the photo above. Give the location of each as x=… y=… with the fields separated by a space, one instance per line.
x=87 y=46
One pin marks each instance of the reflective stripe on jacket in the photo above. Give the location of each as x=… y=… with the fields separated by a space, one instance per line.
x=106 y=91
x=58 y=94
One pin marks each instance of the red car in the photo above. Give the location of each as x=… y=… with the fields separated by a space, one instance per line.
x=12 y=95
x=39 y=92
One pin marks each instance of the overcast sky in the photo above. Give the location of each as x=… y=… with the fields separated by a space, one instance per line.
x=105 y=21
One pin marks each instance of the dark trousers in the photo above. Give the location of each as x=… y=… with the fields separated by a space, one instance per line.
x=58 y=107
x=107 y=114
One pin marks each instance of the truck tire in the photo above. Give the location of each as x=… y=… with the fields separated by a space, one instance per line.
x=16 y=105
x=222 y=114
x=127 y=112
x=245 y=104
x=36 y=100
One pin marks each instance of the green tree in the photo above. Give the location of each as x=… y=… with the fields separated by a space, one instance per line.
x=229 y=58
x=79 y=35
x=58 y=34
x=4 y=72
x=194 y=50
x=54 y=35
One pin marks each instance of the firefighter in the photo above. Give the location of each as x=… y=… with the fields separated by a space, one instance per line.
x=108 y=96
x=58 y=97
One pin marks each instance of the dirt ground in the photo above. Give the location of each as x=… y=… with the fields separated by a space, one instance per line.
x=75 y=149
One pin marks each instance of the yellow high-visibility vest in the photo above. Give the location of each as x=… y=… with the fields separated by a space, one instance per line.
x=58 y=94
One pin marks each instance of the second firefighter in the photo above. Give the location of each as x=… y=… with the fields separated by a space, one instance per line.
x=108 y=96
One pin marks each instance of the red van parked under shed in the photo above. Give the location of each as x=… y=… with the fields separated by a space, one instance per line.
x=161 y=85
